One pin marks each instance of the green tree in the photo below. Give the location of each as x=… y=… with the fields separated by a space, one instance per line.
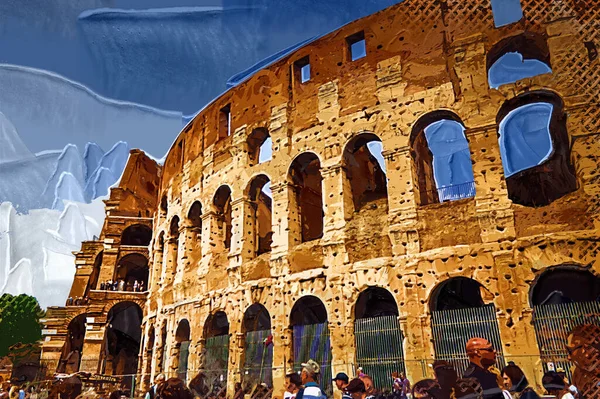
x=19 y=321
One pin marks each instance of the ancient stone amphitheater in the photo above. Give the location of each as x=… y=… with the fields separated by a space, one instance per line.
x=371 y=199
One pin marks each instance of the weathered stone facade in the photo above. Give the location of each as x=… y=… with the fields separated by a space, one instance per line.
x=425 y=61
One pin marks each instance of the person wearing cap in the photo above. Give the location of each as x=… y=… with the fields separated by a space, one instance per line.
x=356 y=389
x=341 y=381
x=309 y=375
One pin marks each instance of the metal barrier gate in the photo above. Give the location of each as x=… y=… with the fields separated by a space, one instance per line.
x=311 y=341
x=217 y=357
x=182 y=367
x=258 y=358
x=379 y=348
x=553 y=323
x=453 y=328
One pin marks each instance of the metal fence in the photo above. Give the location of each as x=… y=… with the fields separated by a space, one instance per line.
x=182 y=367
x=217 y=357
x=553 y=323
x=453 y=328
x=456 y=192
x=258 y=358
x=311 y=341
x=379 y=348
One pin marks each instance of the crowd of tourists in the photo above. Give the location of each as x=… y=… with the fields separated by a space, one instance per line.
x=122 y=285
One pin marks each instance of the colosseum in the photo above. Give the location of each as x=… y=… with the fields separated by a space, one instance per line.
x=370 y=199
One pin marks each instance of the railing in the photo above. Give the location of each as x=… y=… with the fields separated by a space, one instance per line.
x=456 y=192
x=311 y=341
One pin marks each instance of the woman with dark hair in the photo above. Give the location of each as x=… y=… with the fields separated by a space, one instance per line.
x=555 y=385
x=426 y=389
x=174 y=388
x=516 y=383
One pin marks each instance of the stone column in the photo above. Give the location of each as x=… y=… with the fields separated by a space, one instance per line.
x=157 y=267
x=283 y=356
x=236 y=352
x=493 y=206
x=338 y=207
x=212 y=240
x=170 y=261
x=109 y=263
x=186 y=239
x=248 y=225
x=286 y=225
x=93 y=352
x=402 y=203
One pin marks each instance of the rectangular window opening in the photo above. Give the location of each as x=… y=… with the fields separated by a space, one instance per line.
x=302 y=69
x=506 y=12
x=225 y=121
x=357 y=46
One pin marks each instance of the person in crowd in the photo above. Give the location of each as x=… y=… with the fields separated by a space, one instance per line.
x=121 y=285
x=102 y=286
x=400 y=385
x=136 y=286
x=482 y=357
x=174 y=388
x=239 y=391
x=341 y=381
x=426 y=389
x=555 y=386
x=151 y=394
x=446 y=376
x=141 y=286
x=22 y=392
x=360 y=372
x=309 y=376
x=468 y=388
x=583 y=345
x=369 y=385
x=13 y=393
x=356 y=389
x=516 y=383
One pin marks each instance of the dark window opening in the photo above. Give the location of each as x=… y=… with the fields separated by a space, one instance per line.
x=162 y=356
x=506 y=12
x=225 y=121
x=93 y=284
x=441 y=159
x=70 y=358
x=456 y=293
x=517 y=57
x=216 y=325
x=137 y=235
x=365 y=169
x=375 y=302
x=302 y=70
x=308 y=310
x=357 y=46
x=260 y=196
x=259 y=146
x=195 y=215
x=122 y=340
x=306 y=179
x=132 y=270
x=222 y=203
x=592 y=50
x=164 y=205
x=535 y=149
x=565 y=284
x=182 y=345
x=257 y=318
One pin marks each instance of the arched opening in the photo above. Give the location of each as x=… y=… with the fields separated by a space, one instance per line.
x=260 y=146
x=307 y=202
x=149 y=352
x=122 y=340
x=222 y=203
x=365 y=170
x=138 y=235
x=172 y=250
x=182 y=348
x=535 y=149
x=195 y=222
x=378 y=337
x=93 y=282
x=132 y=273
x=563 y=298
x=441 y=159
x=260 y=218
x=518 y=57
x=258 y=351
x=164 y=207
x=216 y=350
x=70 y=358
x=162 y=356
x=459 y=313
x=310 y=337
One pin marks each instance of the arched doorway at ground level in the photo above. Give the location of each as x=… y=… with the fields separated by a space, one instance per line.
x=258 y=349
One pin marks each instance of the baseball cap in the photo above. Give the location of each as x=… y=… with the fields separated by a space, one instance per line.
x=341 y=377
x=356 y=385
x=311 y=366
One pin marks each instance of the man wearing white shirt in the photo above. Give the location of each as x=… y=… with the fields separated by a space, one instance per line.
x=157 y=381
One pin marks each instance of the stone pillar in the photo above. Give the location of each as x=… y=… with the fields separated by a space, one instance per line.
x=283 y=356
x=93 y=353
x=493 y=206
x=248 y=226
x=236 y=352
x=186 y=239
x=170 y=261
x=287 y=231
x=109 y=263
x=338 y=207
x=212 y=240
x=402 y=203
x=157 y=267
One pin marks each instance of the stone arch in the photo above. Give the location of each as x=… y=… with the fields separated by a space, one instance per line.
x=304 y=177
x=70 y=359
x=365 y=170
x=260 y=146
x=564 y=298
x=158 y=259
x=122 y=339
x=182 y=345
x=164 y=206
x=260 y=215
x=132 y=268
x=194 y=218
x=258 y=347
x=224 y=212
x=310 y=336
x=535 y=155
x=517 y=57
x=452 y=303
x=136 y=235
x=216 y=349
x=378 y=337
x=441 y=172
x=195 y=215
